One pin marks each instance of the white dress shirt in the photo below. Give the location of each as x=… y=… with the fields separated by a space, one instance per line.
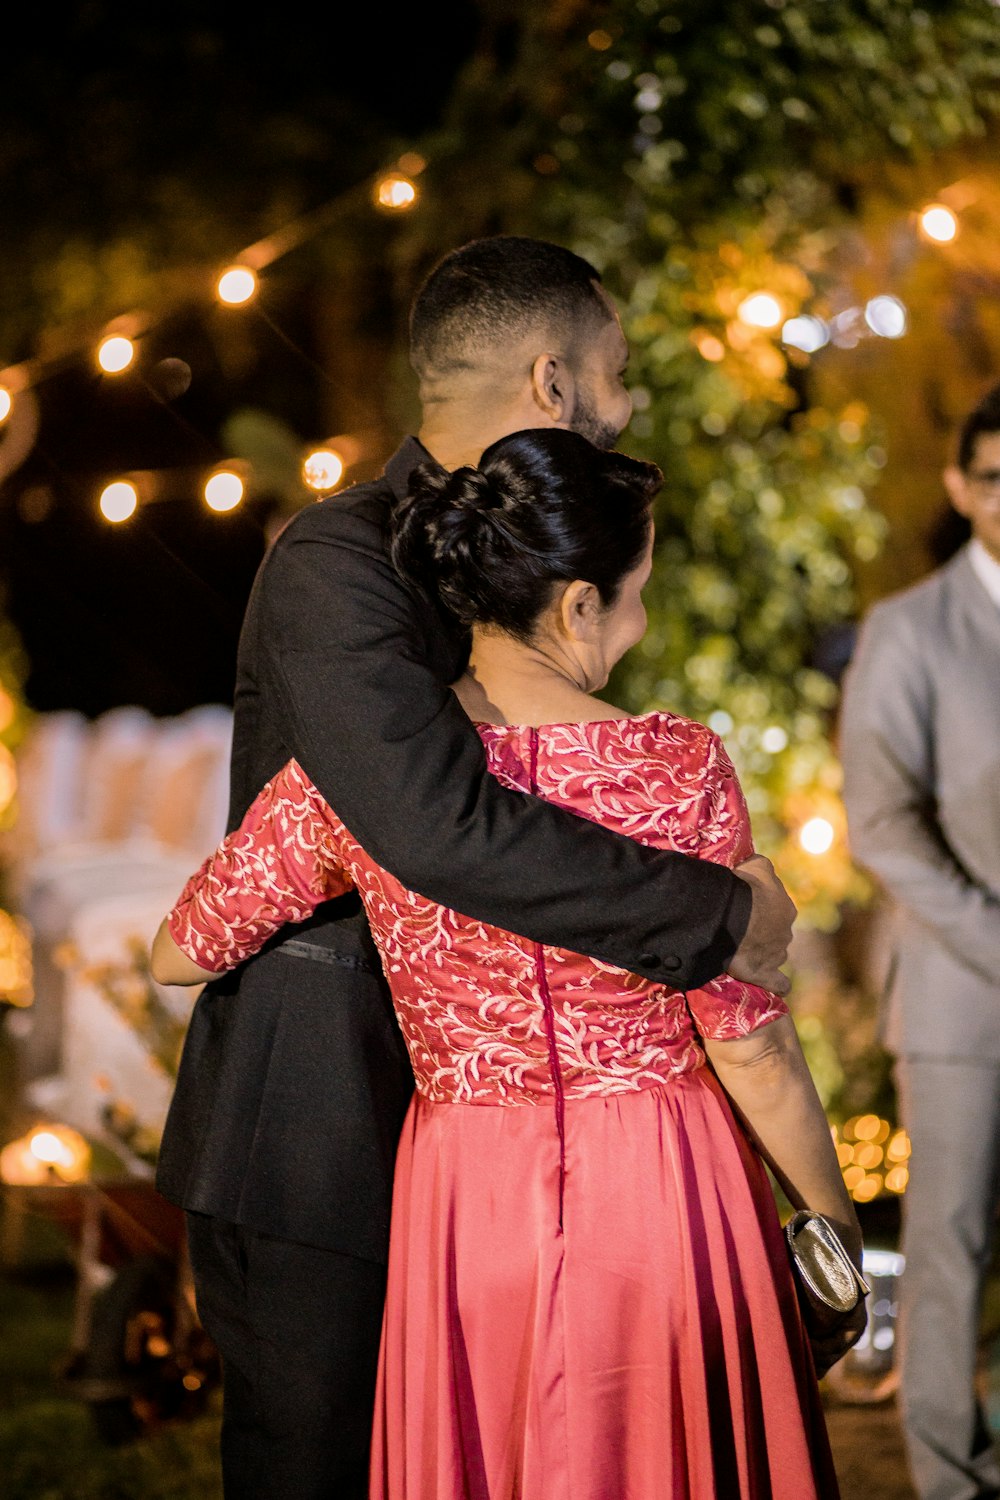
x=987 y=569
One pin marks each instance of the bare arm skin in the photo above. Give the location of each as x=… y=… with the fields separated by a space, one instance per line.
x=768 y=1082
x=170 y=965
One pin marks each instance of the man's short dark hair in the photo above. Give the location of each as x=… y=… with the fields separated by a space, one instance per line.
x=495 y=290
x=982 y=420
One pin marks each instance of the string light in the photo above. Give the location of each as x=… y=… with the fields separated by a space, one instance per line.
x=119 y=501
x=760 y=310
x=6 y=402
x=323 y=469
x=236 y=286
x=816 y=836
x=395 y=191
x=115 y=354
x=223 y=490
x=938 y=223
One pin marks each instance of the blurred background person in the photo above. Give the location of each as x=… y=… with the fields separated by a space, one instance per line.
x=920 y=740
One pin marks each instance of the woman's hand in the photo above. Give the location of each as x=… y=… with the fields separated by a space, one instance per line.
x=170 y=964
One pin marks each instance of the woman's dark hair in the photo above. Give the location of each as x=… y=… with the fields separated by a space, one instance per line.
x=543 y=507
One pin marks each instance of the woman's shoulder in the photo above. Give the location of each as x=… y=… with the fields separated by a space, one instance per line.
x=657 y=733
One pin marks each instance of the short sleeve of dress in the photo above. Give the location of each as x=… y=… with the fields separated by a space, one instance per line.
x=726 y=1008
x=277 y=867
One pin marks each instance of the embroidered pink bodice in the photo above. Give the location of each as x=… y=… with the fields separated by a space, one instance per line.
x=490 y=1017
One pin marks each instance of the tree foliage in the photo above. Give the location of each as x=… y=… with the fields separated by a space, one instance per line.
x=697 y=154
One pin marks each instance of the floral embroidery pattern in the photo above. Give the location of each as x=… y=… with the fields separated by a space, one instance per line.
x=467 y=994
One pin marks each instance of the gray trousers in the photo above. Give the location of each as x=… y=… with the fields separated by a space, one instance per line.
x=951 y=1109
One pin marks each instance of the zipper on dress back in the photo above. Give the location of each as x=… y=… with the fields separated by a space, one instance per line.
x=548 y=1010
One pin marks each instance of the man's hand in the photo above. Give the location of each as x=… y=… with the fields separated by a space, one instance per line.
x=764 y=948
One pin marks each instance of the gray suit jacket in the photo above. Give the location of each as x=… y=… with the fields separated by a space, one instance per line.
x=920 y=744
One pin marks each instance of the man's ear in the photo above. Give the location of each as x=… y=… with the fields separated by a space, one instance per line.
x=957 y=486
x=553 y=388
x=580 y=610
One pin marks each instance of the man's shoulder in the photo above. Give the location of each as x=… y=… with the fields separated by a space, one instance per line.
x=918 y=607
x=357 y=516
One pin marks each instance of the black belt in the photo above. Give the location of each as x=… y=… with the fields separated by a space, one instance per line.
x=318 y=954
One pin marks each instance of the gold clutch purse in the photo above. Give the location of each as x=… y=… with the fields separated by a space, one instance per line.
x=830 y=1288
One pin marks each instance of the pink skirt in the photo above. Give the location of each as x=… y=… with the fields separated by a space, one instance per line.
x=649 y=1348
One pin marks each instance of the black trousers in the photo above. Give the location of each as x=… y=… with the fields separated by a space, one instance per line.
x=298 y=1331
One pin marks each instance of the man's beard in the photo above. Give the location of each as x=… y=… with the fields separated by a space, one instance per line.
x=589 y=425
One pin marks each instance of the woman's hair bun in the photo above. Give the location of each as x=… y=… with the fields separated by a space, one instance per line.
x=490 y=543
x=440 y=531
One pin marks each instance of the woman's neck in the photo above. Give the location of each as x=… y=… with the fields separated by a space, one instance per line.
x=509 y=682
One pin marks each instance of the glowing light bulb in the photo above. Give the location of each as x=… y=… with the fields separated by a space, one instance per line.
x=886 y=316
x=6 y=402
x=938 y=223
x=236 y=286
x=47 y=1147
x=223 y=490
x=115 y=354
x=806 y=333
x=816 y=836
x=323 y=469
x=760 y=310
x=119 y=501
x=395 y=191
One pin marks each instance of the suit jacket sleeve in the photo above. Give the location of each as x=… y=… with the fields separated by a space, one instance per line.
x=887 y=749
x=390 y=748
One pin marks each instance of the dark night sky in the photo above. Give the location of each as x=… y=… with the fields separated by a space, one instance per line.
x=129 y=117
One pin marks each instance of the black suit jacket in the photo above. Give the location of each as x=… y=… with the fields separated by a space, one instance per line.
x=294 y=1079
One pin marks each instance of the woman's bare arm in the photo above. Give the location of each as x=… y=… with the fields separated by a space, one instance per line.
x=768 y=1082
x=170 y=964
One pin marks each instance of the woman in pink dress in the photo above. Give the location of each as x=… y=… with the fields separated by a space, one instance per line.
x=589 y=1296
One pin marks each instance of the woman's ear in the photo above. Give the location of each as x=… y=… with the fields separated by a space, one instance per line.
x=553 y=389
x=580 y=611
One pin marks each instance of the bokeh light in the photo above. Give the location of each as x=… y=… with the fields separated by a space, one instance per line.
x=6 y=402
x=236 y=286
x=395 y=191
x=872 y=1156
x=49 y=1153
x=710 y=347
x=760 y=310
x=938 y=223
x=323 y=469
x=8 y=778
x=886 y=316
x=806 y=333
x=115 y=354
x=816 y=836
x=223 y=490
x=119 y=501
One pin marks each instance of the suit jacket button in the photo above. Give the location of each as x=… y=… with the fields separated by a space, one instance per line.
x=651 y=960
x=672 y=963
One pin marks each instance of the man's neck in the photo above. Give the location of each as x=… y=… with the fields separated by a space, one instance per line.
x=457 y=436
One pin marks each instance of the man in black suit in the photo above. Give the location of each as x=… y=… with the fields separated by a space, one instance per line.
x=294 y=1079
